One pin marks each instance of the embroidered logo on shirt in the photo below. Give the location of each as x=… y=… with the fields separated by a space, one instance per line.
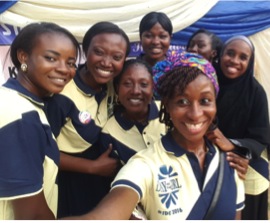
x=167 y=185
x=84 y=117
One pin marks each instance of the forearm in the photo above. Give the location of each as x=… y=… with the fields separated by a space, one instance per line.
x=32 y=208
x=117 y=205
x=77 y=164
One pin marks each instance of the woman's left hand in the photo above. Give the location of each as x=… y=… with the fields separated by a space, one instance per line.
x=239 y=163
x=217 y=137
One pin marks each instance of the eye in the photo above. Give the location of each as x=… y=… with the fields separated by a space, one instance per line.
x=230 y=53
x=163 y=36
x=147 y=35
x=49 y=58
x=72 y=65
x=244 y=57
x=98 y=52
x=127 y=84
x=118 y=57
x=201 y=45
x=205 y=101
x=144 y=84
x=183 y=102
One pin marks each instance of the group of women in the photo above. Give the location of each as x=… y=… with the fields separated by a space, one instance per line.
x=104 y=116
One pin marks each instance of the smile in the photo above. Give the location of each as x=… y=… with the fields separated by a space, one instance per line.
x=194 y=127
x=60 y=80
x=135 y=100
x=104 y=72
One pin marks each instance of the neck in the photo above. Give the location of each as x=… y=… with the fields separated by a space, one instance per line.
x=141 y=118
x=88 y=79
x=151 y=61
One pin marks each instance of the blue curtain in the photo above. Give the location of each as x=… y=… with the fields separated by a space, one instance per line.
x=4 y=5
x=228 y=18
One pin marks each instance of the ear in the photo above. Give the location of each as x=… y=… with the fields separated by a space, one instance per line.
x=213 y=54
x=22 y=56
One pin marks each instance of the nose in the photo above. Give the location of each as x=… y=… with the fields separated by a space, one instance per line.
x=106 y=61
x=155 y=40
x=195 y=112
x=235 y=60
x=193 y=49
x=136 y=89
x=62 y=67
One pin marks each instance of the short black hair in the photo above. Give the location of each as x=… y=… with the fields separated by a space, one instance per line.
x=150 y=19
x=100 y=28
x=216 y=42
x=26 y=39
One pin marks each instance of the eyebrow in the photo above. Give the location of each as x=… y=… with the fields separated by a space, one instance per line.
x=58 y=54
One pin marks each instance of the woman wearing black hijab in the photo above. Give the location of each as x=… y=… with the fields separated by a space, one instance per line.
x=243 y=121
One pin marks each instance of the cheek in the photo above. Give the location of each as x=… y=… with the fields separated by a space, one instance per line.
x=118 y=66
x=145 y=42
x=72 y=74
x=166 y=43
x=212 y=113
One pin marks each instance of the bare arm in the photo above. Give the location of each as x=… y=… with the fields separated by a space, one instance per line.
x=32 y=208
x=238 y=215
x=103 y=165
x=117 y=205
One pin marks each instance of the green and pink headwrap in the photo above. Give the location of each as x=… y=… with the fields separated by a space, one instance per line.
x=184 y=59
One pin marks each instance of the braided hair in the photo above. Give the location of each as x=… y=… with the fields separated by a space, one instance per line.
x=174 y=82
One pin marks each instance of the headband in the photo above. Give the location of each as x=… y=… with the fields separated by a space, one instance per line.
x=184 y=59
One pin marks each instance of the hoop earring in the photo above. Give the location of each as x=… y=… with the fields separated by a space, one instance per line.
x=214 y=124
x=24 y=67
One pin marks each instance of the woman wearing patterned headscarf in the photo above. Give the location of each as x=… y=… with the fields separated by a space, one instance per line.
x=243 y=127
x=177 y=177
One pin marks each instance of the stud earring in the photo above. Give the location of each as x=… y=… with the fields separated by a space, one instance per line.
x=24 y=67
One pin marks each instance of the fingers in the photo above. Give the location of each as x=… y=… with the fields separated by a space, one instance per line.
x=238 y=163
x=108 y=151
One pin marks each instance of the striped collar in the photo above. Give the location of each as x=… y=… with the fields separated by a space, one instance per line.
x=171 y=146
x=15 y=85
x=84 y=88
x=127 y=124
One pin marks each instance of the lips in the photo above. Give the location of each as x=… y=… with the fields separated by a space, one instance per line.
x=135 y=101
x=194 y=128
x=232 y=70
x=104 y=73
x=156 y=50
x=59 y=81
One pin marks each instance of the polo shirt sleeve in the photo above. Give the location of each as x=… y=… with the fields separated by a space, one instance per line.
x=22 y=141
x=136 y=175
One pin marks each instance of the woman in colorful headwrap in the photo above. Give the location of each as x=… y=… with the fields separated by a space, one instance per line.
x=243 y=119
x=209 y=45
x=176 y=178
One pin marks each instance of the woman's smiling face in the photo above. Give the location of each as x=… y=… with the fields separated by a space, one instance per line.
x=193 y=111
x=235 y=58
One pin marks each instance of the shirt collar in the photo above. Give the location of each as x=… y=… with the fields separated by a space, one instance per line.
x=171 y=146
x=127 y=124
x=86 y=89
x=15 y=85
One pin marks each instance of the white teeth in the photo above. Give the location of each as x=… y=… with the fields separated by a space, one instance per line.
x=59 y=80
x=232 y=69
x=135 y=100
x=194 y=126
x=156 y=50
x=106 y=72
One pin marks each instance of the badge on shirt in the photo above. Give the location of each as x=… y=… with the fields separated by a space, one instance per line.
x=84 y=117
